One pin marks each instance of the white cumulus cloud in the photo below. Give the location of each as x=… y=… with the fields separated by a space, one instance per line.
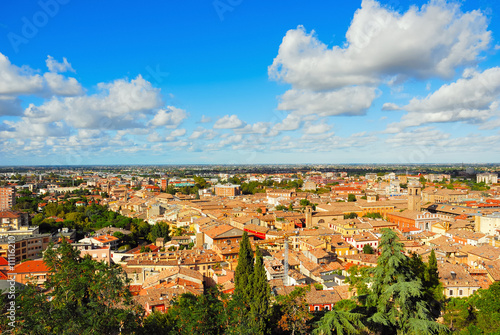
x=228 y=122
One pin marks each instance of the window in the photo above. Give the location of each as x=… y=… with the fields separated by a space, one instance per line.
x=327 y=308
x=460 y=292
x=316 y=308
x=451 y=292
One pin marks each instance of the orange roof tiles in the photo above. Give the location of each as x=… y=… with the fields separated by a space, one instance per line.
x=30 y=267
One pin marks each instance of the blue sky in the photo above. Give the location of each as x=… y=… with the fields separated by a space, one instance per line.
x=244 y=82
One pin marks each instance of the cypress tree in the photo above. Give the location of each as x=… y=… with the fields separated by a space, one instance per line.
x=259 y=305
x=239 y=309
x=244 y=270
x=432 y=274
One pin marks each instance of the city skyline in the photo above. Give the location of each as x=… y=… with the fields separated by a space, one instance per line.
x=239 y=82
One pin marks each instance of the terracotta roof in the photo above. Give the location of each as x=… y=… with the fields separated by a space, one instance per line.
x=455 y=275
x=493 y=269
x=30 y=267
x=486 y=251
x=3 y=261
x=9 y=214
x=105 y=238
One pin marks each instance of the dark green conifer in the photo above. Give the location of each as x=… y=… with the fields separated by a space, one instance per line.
x=244 y=270
x=397 y=302
x=259 y=306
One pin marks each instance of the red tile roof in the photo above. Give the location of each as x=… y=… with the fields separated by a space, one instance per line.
x=106 y=238
x=30 y=267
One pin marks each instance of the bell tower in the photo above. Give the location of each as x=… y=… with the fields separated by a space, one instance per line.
x=309 y=216
x=414 y=197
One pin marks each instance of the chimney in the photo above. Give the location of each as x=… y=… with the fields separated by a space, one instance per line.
x=453 y=275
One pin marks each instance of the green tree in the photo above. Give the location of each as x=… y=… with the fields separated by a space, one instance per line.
x=244 y=270
x=158 y=323
x=202 y=314
x=259 y=305
x=243 y=288
x=350 y=215
x=159 y=229
x=81 y=296
x=358 y=279
x=200 y=182
x=367 y=249
x=487 y=306
x=397 y=303
x=294 y=311
x=305 y=202
x=351 y=197
x=458 y=314
x=373 y=215
x=340 y=322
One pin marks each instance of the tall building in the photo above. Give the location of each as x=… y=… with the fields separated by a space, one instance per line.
x=164 y=184
x=414 y=197
x=7 y=197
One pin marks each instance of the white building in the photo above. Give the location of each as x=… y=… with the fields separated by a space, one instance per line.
x=487 y=178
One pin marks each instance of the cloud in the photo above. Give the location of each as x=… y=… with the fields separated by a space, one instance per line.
x=118 y=105
x=291 y=122
x=15 y=80
x=228 y=122
x=155 y=137
x=62 y=86
x=256 y=128
x=352 y=100
x=370 y=53
x=175 y=134
x=55 y=66
x=472 y=99
x=170 y=117
x=389 y=106
x=205 y=119
x=200 y=133
x=10 y=106
x=312 y=129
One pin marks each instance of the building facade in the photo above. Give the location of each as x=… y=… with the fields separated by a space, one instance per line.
x=7 y=197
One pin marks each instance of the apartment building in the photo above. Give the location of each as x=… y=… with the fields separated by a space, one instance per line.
x=7 y=197
x=228 y=190
x=26 y=246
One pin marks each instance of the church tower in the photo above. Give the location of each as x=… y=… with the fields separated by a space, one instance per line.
x=414 y=197
x=309 y=212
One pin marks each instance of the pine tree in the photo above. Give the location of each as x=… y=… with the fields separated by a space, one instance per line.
x=259 y=305
x=397 y=303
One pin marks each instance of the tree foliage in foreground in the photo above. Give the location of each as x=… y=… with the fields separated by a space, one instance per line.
x=396 y=297
x=81 y=296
